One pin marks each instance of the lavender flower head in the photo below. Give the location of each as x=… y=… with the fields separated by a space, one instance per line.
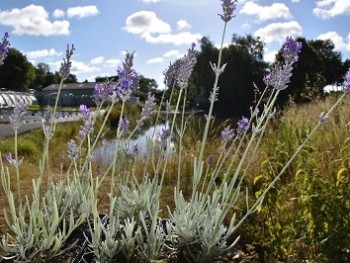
x=13 y=161
x=127 y=78
x=291 y=50
x=228 y=7
x=46 y=121
x=87 y=120
x=347 y=82
x=279 y=77
x=149 y=106
x=4 y=48
x=227 y=134
x=171 y=73
x=164 y=135
x=242 y=124
x=280 y=74
x=124 y=125
x=210 y=160
x=104 y=92
x=64 y=70
x=17 y=117
x=186 y=67
x=72 y=151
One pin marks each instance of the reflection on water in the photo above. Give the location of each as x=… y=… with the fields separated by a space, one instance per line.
x=104 y=153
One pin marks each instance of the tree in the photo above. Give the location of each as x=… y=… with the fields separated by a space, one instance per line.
x=71 y=79
x=146 y=85
x=17 y=73
x=245 y=68
x=318 y=65
x=43 y=76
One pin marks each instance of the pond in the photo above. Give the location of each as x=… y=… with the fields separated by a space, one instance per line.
x=104 y=153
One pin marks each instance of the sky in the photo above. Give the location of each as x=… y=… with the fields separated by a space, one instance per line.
x=159 y=31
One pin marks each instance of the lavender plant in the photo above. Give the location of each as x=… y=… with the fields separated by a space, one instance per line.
x=196 y=228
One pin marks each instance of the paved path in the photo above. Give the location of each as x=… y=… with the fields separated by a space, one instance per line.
x=32 y=121
x=6 y=130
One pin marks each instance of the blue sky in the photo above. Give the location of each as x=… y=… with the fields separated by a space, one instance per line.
x=159 y=31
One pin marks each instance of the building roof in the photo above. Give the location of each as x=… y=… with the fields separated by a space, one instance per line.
x=70 y=86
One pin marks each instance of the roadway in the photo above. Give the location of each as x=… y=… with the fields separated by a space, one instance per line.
x=32 y=120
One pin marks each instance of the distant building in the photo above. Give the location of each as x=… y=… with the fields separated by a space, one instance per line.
x=72 y=94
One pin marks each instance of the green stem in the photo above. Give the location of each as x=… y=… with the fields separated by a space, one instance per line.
x=210 y=113
x=180 y=141
x=116 y=149
x=17 y=169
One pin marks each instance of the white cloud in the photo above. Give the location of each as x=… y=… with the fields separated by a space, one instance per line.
x=154 y=30
x=146 y=22
x=154 y=60
x=295 y=1
x=339 y=42
x=278 y=31
x=176 y=39
x=171 y=53
x=33 y=20
x=82 y=11
x=113 y=63
x=263 y=13
x=270 y=56
x=79 y=67
x=58 y=13
x=42 y=53
x=97 y=60
x=331 y=8
x=182 y=24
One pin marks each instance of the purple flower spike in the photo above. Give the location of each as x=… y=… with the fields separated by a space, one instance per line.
x=124 y=125
x=46 y=121
x=164 y=135
x=86 y=117
x=4 y=48
x=13 y=161
x=17 y=117
x=210 y=160
x=127 y=78
x=228 y=7
x=149 y=105
x=291 y=50
x=67 y=63
x=280 y=74
x=242 y=124
x=73 y=153
x=9 y=157
x=227 y=134
x=347 y=82
x=84 y=109
x=186 y=67
x=171 y=73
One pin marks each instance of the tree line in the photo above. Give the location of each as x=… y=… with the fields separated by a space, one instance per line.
x=319 y=65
